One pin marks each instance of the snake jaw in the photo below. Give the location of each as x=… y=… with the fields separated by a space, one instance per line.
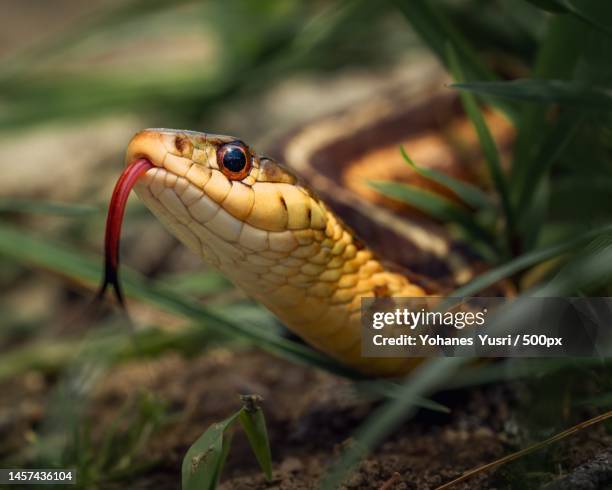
x=114 y=220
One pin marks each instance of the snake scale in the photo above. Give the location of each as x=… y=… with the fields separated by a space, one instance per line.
x=267 y=231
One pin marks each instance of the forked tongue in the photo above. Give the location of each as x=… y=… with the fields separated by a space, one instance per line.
x=114 y=220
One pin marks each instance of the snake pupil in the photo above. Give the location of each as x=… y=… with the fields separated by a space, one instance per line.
x=234 y=159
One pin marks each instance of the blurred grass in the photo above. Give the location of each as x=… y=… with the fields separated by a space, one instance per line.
x=116 y=344
x=119 y=456
x=255 y=42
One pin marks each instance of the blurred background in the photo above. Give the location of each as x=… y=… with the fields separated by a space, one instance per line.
x=123 y=403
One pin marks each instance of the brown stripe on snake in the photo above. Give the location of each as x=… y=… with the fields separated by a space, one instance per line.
x=339 y=153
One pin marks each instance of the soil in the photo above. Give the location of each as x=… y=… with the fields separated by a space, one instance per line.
x=310 y=416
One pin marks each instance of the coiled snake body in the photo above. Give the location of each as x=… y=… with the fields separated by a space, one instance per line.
x=266 y=230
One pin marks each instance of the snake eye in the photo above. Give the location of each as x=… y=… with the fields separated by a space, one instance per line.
x=234 y=160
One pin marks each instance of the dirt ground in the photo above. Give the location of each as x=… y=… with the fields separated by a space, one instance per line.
x=310 y=416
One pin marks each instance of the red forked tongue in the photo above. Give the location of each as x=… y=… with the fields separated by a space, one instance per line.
x=116 y=209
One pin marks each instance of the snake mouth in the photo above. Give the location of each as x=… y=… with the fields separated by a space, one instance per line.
x=116 y=210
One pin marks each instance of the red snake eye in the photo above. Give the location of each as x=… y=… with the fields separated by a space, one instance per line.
x=234 y=160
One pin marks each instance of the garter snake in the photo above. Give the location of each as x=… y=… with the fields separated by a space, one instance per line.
x=264 y=228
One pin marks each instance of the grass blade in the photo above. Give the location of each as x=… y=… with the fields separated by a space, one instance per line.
x=254 y=424
x=590 y=270
x=439 y=207
x=551 y=149
x=591 y=13
x=436 y=206
x=196 y=283
x=527 y=260
x=552 y=6
x=487 y=144
x=528 y=450
x=582 y=10
x=389 y=389
x=544 y=91
x=468 y=193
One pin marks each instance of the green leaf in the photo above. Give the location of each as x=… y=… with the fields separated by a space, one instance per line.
x=437 y=206
x=566 y=92
x=254 y=425
x=437 y=31
x=203 y=462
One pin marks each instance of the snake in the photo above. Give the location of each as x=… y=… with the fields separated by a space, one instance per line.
x=263 y=225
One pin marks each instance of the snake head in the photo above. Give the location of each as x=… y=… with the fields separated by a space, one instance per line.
x=220 y=198
x=252 y=219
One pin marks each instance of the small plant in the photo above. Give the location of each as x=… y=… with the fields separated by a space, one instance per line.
x=118 y=455
x=203 y=462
